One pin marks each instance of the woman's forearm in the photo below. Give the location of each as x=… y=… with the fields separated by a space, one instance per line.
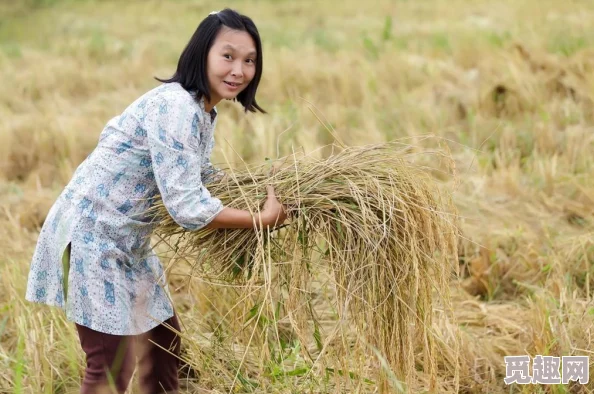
x=236 y=218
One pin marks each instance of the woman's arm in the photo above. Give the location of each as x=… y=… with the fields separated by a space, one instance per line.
x=175 y=154
x=176 y=160
x=273 y=214
x=234 y=218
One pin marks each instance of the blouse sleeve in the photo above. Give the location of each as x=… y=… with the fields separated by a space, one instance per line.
x=176 y=161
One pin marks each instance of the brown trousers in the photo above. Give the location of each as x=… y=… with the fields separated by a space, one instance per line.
x=111 y=360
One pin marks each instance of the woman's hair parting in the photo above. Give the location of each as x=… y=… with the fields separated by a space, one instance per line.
x=192 y=64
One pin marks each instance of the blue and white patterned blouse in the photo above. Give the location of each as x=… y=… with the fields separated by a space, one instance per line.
x=161 y=144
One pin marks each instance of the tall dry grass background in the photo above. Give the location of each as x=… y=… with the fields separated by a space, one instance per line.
x=507 y=87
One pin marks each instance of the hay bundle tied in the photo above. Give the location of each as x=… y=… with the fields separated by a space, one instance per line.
x=369 y=218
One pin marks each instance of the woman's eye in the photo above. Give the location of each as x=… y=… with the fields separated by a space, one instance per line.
x=227 y=56
x=250 y=60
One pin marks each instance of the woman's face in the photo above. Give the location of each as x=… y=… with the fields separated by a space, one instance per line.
x=231 y=64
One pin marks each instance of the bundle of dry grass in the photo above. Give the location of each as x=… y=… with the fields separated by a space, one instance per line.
x=366 y=214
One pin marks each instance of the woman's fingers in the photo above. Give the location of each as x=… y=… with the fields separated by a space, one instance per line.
x=270 y=190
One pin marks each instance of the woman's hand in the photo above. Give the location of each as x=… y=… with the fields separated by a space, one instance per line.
x=273 y=213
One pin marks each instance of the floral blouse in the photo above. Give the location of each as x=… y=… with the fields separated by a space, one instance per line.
x=161 y=144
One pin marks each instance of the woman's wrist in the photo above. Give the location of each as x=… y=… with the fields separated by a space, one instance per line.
x=262 y=220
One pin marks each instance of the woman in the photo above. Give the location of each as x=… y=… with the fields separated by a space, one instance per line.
x=112 y=284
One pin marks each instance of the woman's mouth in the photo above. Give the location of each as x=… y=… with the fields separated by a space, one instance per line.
x=232 y=85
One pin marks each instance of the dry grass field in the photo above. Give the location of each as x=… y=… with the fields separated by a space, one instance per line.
x=504 y=87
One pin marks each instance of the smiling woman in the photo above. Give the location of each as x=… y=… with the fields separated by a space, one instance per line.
x=231 y=63
x=234 y=61
x=93 y=257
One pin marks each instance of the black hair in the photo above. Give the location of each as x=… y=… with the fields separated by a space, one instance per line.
x=191 y=67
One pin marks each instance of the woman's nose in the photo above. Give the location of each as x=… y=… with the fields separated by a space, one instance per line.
x=237 y=70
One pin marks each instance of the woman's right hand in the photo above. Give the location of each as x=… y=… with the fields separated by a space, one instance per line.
x=273 y=213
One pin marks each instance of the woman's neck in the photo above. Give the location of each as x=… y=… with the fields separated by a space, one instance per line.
x=209 y=105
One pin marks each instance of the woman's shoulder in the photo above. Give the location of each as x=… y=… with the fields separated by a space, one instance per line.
x=173 y=94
